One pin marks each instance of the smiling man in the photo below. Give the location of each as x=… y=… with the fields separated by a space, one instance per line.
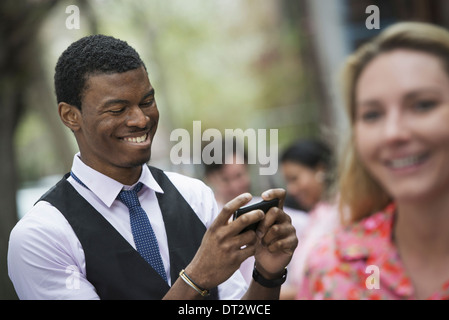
x=116 y=228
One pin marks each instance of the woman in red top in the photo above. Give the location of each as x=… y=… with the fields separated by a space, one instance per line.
x=394 y=179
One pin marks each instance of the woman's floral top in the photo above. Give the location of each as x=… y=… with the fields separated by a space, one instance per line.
x=360 y=262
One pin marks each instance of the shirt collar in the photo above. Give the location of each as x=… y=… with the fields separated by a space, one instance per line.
x=106 y=188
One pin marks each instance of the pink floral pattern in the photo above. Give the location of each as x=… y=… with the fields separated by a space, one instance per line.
x=337 y=266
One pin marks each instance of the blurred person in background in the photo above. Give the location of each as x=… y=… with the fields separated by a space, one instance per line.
x=232 y=177
x=394 y=177
x=307 y=167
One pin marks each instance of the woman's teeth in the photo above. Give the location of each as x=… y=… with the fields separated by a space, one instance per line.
x=406 y=162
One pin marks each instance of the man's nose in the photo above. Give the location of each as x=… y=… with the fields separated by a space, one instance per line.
x=137 y=118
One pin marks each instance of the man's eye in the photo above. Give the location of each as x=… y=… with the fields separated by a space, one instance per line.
x=147 y=103
x=117 y=111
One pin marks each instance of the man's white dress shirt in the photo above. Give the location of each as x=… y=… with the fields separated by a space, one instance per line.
x=46 y=259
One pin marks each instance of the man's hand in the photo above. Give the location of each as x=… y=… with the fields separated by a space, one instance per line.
x=276 y=238
x=223 y=248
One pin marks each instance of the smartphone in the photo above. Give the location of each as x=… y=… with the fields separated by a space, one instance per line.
x=264 y=205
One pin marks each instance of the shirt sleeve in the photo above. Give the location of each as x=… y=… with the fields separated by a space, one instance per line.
x=44 y=261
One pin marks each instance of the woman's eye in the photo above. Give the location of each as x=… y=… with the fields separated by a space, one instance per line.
x=370 y=116
x=424 y=105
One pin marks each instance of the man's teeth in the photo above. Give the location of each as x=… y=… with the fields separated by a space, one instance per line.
x=405 y=162
x=137 y=139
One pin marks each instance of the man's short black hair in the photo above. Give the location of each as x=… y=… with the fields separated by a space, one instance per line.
x=90 y=55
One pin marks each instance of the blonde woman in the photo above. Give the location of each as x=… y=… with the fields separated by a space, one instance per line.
x=394 y=179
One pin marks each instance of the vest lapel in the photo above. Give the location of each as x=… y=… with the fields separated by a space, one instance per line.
x=184 y=229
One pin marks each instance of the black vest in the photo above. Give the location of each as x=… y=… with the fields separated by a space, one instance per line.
x=113 y=266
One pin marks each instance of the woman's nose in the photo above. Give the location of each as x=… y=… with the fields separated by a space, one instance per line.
x=395 y=129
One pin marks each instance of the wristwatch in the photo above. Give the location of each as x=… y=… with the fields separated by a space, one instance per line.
x=269 y=283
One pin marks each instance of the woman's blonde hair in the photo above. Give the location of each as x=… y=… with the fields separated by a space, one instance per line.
x=360 y=194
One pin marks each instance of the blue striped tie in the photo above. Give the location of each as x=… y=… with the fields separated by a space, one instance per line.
x=144 y=237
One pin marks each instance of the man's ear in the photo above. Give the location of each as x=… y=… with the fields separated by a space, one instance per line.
x=70 y=115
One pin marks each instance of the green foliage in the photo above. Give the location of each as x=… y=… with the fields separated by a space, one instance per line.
x=230 y=64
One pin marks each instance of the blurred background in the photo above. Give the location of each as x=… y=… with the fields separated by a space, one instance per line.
x=260 y=64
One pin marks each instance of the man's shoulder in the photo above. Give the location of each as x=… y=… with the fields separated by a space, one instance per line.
x=43 y=223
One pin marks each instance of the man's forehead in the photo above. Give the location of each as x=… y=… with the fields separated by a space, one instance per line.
x=135 y=77
x=111 y=78
x=132 y=81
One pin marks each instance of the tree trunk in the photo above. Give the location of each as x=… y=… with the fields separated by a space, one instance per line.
x=18 y=29
x=9 y=114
